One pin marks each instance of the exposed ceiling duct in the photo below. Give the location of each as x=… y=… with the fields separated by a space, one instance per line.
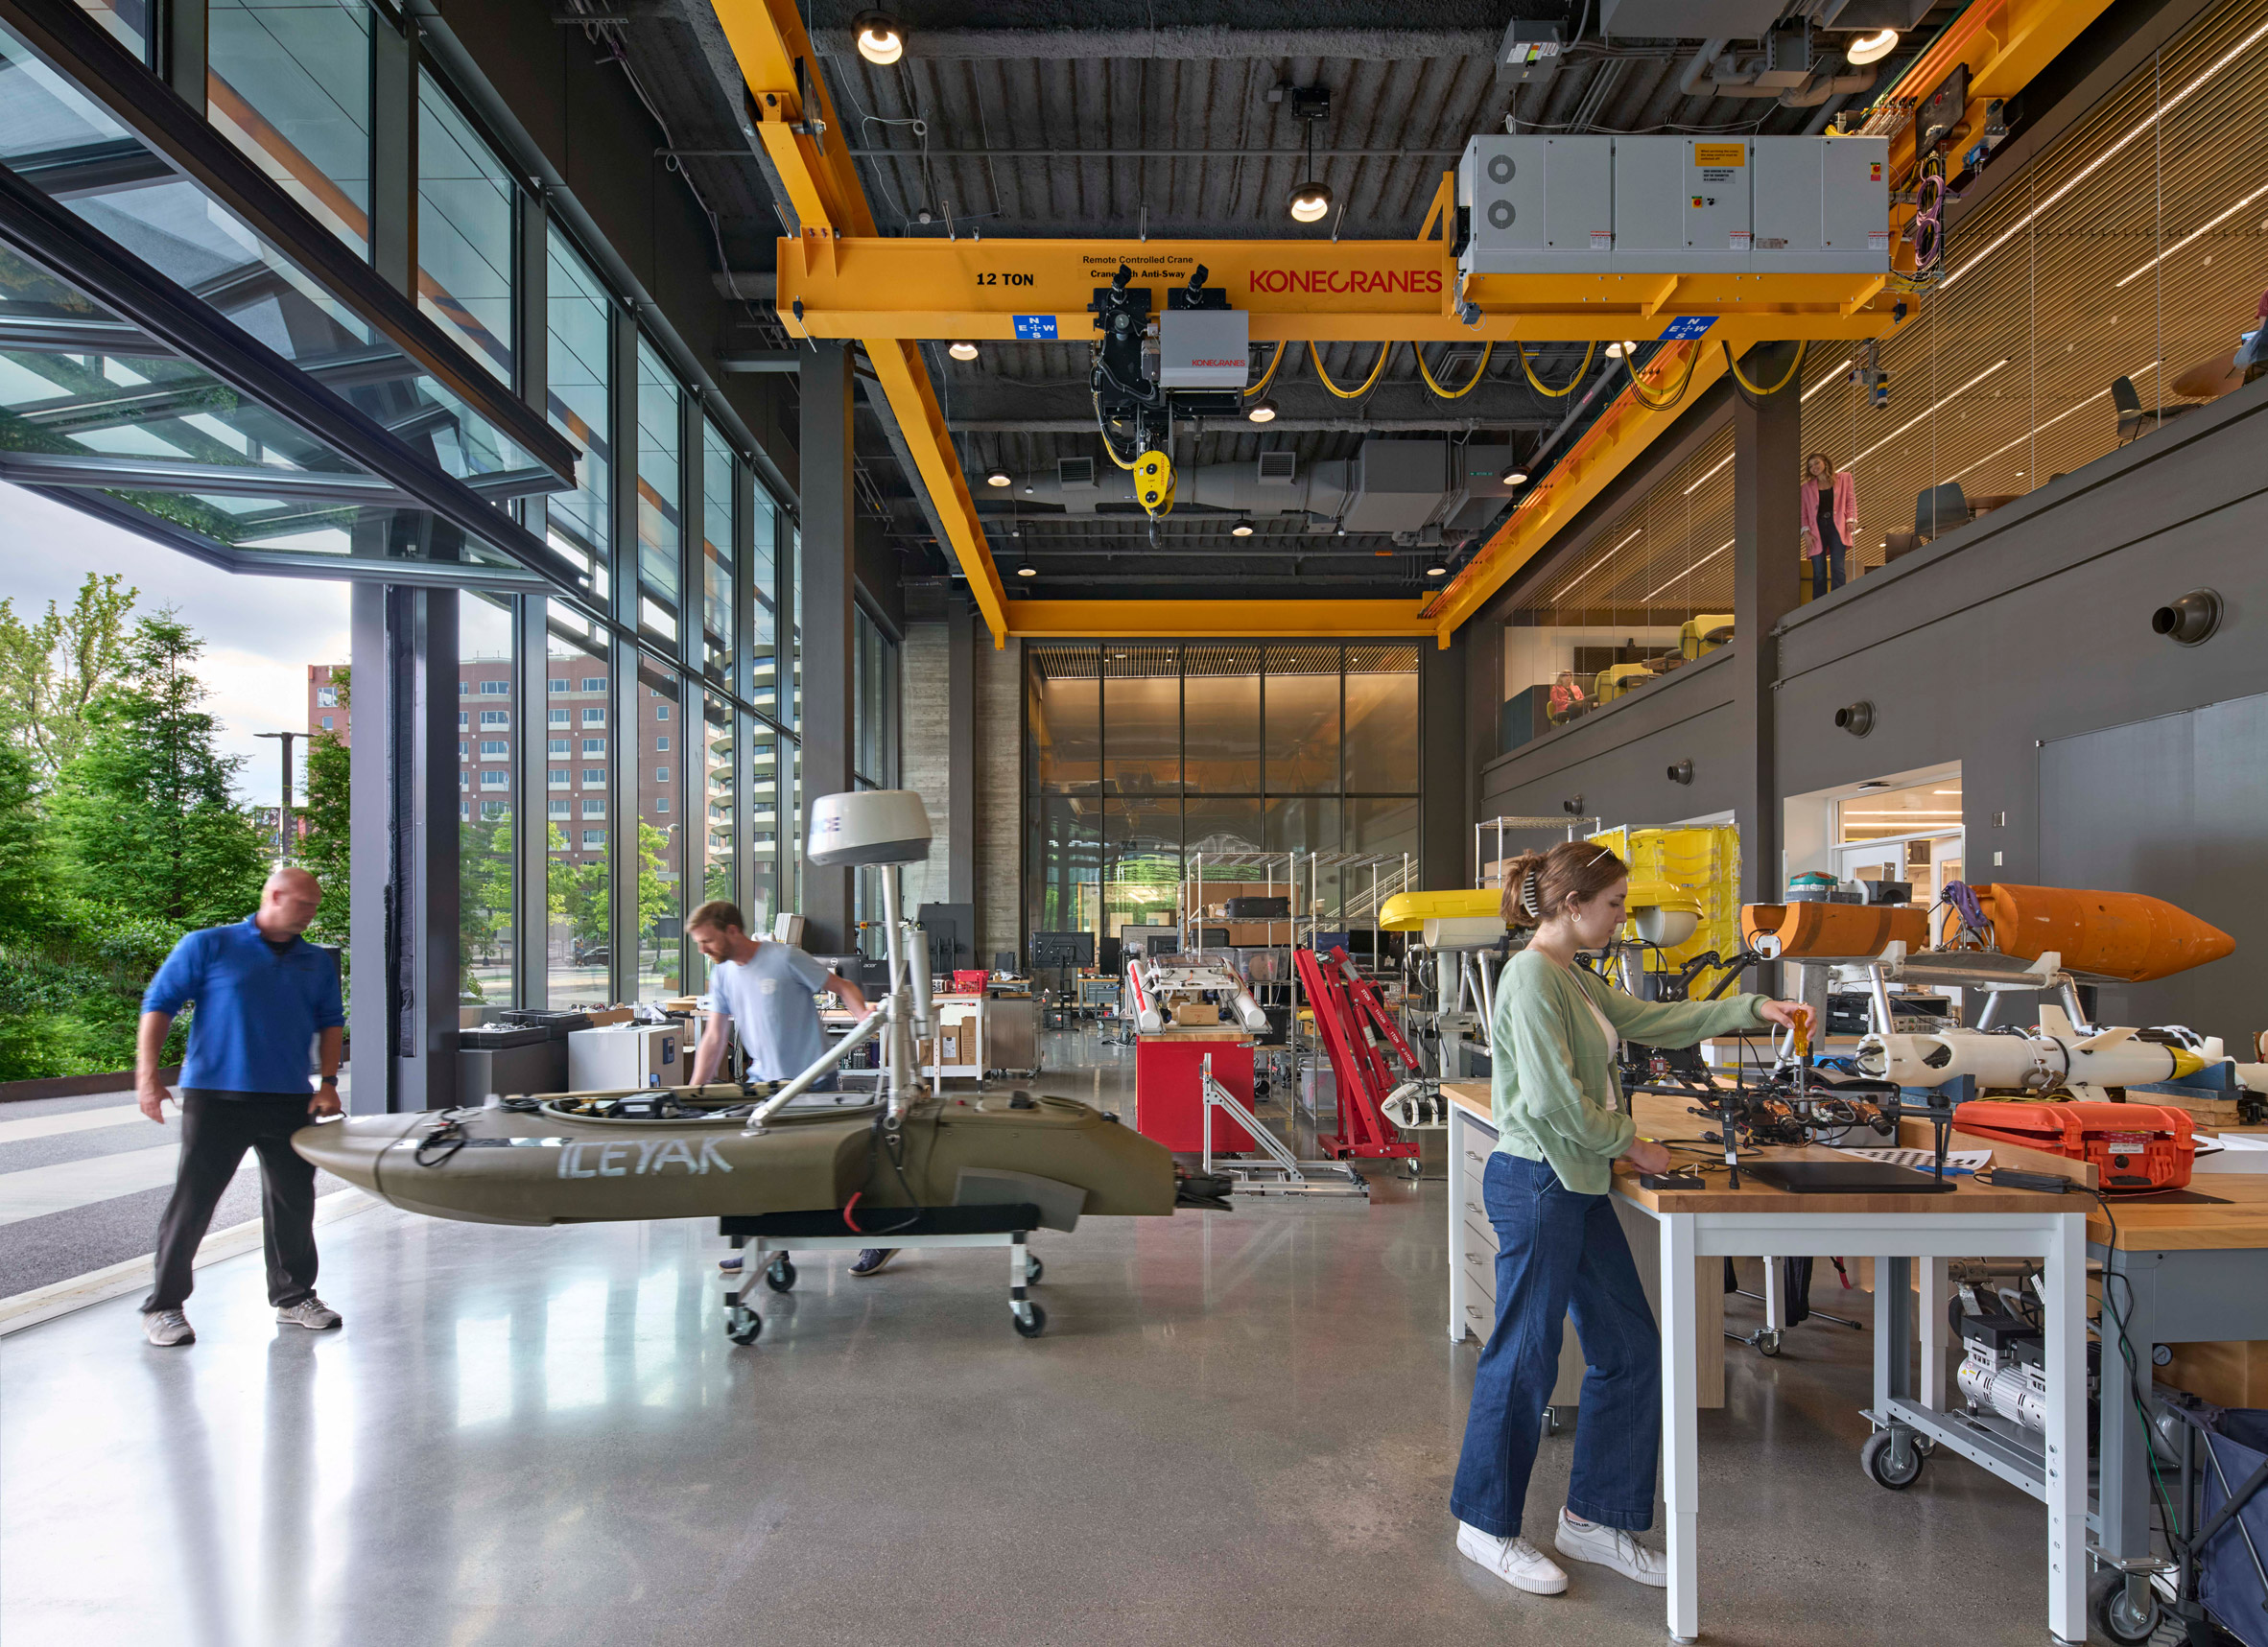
x=1401 y=489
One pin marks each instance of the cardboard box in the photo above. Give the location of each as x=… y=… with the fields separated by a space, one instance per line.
x=602 y=1016
x=1195 y=1015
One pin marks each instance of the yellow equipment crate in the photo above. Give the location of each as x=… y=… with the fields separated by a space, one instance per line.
x=1694 y=868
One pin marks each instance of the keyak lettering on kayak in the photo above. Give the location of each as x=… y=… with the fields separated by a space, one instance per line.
x=1340 y=281
x=653 y=1157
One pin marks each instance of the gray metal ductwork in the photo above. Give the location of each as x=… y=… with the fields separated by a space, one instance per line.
x=1735 y=77
x=1401 y=489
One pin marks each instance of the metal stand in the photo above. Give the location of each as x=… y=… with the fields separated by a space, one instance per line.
x=1283 y=1173
x=742 y=1325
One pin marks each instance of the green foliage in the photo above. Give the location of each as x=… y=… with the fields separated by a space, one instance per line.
x=52 y=669
x=144 y=812
x=325 y=850
x=24 y=865
x=483 y=896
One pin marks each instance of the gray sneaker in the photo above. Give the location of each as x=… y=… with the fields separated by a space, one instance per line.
x=167 y=1327
x=310 y=1313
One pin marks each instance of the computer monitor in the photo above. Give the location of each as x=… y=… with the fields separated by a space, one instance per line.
x=1062 y=949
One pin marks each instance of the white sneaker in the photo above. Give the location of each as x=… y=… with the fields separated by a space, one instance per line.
x=1515 y=1560
x=310 y=1313
x=167 y=1327
x=1612 y=1547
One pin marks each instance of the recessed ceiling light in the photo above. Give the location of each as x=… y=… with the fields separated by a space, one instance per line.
x=881 y=41
x=1310 y=201
x=963 y=350
x=995 y=476
x=1262 y=411
x=1242 y=529
x=1872 y=48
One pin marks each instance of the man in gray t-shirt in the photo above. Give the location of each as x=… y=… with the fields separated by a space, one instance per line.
x=764 y=989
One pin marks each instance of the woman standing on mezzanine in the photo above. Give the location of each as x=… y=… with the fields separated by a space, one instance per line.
x=1829 y=501
x=1560 y=1129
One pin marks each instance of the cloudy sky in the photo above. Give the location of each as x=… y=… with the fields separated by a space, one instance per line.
x=260 y=633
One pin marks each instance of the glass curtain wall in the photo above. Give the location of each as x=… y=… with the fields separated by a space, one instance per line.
x=1138 y=756
x=292 y=86
x=289 y=83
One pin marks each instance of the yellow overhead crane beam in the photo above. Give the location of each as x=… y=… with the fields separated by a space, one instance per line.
x=2005 y=43
x=1216 y=619
x=1295 y=290
x=807 y=147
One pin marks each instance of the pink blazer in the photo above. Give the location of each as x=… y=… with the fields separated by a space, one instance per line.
x=1846 y=509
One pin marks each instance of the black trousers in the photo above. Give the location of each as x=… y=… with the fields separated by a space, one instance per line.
x=217 y=1128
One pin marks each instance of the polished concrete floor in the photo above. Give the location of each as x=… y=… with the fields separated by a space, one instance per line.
x=1238 y=1427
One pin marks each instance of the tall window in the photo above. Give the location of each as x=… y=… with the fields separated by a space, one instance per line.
x=659 y=516
x=464 y=231
x=289 y=83
x=578 y=313
x=486 y=930
x=1140 y=756
x=577 y=912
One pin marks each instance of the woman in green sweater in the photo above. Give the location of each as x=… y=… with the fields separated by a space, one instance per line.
x=1560 y=1129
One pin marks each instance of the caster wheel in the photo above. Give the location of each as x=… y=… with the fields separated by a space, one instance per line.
x=1894 y=1468
x=781 y=1275
x=2122 y=1611
x=1767 y=1343
x=1031 y=1321
x=1033 y=1270
x=744 y=1325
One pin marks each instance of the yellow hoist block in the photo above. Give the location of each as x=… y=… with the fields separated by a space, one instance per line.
x=1154 y=483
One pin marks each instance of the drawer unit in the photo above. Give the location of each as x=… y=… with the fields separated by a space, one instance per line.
x=1473 y=1255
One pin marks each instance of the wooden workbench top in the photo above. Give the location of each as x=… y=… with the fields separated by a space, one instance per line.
x=1667 y=1117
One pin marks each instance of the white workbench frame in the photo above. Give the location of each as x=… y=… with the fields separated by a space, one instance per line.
x=2058 y=1238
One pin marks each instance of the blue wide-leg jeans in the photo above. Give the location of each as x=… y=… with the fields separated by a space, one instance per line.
x=1559 y=1252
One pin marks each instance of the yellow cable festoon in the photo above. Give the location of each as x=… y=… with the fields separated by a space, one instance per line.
x=1785 y=378
x=1368 y=383
x=1638 y=387
x=1478 y=372
x=1108 y=444
x=1538 y=385
x=1274 y=361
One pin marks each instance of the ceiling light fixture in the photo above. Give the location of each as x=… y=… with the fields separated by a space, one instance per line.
x=1436 y=572
x=1616 y=351
x=1242 y=529
x=964 y=350
x=1310 y=201
x=1262 y=411
x=1514 y=476
x=995 y=476
x=1872 y=48
x=881 y=39
x=1024 y=568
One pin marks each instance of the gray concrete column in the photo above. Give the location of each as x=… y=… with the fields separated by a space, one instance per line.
x=1767 y=447
x=186 y=51
x=1445 y=772
x=405 y=938
x=393 y=153
x=829 y=644
x=961 y=738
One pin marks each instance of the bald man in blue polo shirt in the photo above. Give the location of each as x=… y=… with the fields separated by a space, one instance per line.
x=263 y=997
